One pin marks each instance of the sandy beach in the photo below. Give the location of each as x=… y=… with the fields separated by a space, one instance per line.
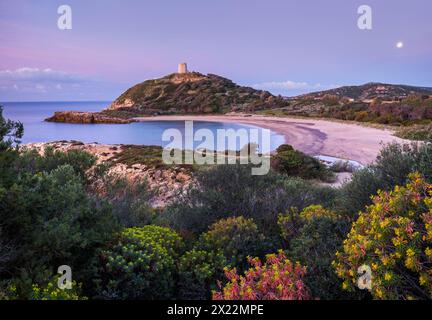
x=312 y=136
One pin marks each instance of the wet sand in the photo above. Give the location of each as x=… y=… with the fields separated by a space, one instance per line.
x=312 y=136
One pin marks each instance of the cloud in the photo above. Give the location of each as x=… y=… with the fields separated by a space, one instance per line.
x=39 y=75
x=46 y=84
x=287 y=85
x=42 y=80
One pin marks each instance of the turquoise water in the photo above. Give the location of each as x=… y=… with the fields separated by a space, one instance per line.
x=32 y=115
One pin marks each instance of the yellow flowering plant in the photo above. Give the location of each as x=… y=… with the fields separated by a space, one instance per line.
x=394 y=238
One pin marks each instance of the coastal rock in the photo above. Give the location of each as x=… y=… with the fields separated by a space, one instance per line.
x=85 y=117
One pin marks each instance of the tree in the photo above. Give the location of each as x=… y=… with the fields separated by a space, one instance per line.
x=10 y=134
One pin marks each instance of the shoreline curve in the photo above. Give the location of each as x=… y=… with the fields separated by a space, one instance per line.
x=312 y=136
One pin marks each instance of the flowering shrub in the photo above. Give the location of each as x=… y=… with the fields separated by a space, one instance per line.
x=312 y=237
x=140 y=265
x=291 y=222
x=394 y=237
x=237 y=237
x=50 y=291
x=198 y=271
x=317 y=211
x=277 y=279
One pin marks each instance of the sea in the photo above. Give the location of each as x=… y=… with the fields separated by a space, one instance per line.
x=32 y=115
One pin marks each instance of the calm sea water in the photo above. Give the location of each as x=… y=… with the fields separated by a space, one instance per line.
x=32 y=115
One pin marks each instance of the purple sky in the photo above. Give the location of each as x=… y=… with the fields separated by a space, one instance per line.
x=284 y=46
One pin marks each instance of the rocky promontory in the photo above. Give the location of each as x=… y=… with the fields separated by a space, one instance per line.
x=193 y=93
x=86 y=117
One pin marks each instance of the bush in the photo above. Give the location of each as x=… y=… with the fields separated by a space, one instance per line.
x=49 y=220
x=198 y=271
x=291 y=223
x=139 y=265
x=31 y=161
x=227 y=190
x=277 y=279
x=312 y=237
x=130 y=200
x=392 y=167
x=295 y=163
x=49 y=291
x=236 y=237
x=394 y=238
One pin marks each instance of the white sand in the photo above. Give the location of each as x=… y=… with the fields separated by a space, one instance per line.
x=315 y=137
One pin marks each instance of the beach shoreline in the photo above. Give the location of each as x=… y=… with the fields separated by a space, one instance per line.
x=312 y=136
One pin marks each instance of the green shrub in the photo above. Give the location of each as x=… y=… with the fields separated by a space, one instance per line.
x=198 y=272
x=139 y=265
x=295 y=163
x=237 y=237
x=31 y=161
x=49 y=220
x=312 y=237
x=392 y=167
x=130 y=200
x=227 y=190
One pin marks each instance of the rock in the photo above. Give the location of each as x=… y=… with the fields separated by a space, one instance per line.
x=85 y=117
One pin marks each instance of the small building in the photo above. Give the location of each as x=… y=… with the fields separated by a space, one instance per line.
x=182 y=68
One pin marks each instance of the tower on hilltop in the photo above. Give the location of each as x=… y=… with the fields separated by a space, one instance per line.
x=182 y=68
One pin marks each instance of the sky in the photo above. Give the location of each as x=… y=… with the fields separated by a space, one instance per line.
x=287 y=47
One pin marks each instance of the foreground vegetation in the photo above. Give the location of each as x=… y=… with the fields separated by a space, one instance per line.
x=230 y=235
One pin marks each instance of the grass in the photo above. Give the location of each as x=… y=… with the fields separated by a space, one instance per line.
x=134 y=154
x=416 y=132
x=152 y=156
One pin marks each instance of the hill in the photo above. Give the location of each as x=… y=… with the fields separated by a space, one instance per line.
x=192 y=93
x=372 y=90
x=372 y=102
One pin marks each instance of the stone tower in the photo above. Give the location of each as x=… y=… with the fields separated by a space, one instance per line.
x=182 y=68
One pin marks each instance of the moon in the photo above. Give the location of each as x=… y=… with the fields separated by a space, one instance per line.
x=399 y=45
